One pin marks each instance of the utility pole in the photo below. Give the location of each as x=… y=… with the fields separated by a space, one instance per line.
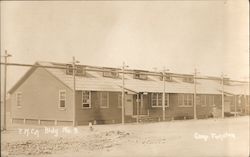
x=163 y=95
x=137 y=108
x=222 y=96
x=235 y=105
x=6 y=55
x=74 y=90
x=195 y=112
x=123 y=94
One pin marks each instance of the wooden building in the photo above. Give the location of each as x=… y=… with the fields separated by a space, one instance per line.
x=45 y=95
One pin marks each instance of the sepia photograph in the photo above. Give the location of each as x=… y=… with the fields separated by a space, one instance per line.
x=142 y=78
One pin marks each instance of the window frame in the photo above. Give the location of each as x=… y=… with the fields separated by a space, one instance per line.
x=80 y=70
x=19 y=100
x=101 y=102
x=157 y=100
x=188 y=79
x=89 y=99
x=185 y=98
x=59 y=104
x=203 y=99
x=111 y=73
x=140 y=76
x=207 y=99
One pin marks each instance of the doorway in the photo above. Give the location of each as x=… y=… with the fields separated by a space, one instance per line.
x=128 y=104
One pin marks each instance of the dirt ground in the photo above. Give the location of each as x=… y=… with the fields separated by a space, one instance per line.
x=209 y=137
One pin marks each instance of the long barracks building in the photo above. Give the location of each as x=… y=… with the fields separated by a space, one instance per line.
x=44 y=95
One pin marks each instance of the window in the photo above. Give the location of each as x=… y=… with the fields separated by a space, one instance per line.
x=104 y=99
x=180 y=99
x=188 y=100
x=156 y=99
x=168 y=77
x=188 y=79
x=80 y=70
x=69 y=70
x=159 y=99
x=198 y=100
x=210 y=100
x=111 y=73
x=226 y=81
x=119 y=100
x=86 y=99
x=62 y=99
x=140 y=76
x=185 y=100
x=205 y=100
x=18 y=99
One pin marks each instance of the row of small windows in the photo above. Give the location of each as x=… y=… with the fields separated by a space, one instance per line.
x=112 y=73
x=183 y=100
x=80 y=70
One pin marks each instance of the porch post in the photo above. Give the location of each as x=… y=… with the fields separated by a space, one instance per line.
x=74 y=90
x=123 y=94
x=195 y=114
x=137 y=108
x=235 y=105
x=222 y=95
x=163 y=96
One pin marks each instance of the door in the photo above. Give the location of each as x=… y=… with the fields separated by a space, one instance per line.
x=143 y=104
x=128 y=105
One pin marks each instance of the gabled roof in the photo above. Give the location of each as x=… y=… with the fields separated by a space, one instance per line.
x=28 y=73
x=95 y=81
x=23 y=78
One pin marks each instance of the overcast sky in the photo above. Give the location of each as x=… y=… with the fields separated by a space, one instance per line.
x=209 y=35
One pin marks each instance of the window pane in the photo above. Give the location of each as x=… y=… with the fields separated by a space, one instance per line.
x=154 y=99
x=166 y=99
x=211 y=100
x=190 y=100
x=119 y=100
x=62 y=95
x=85 y=99
x=159 y=99
x=180 y=99
x=62 y=99
x=185 y=100
x=85 y=105
x=104 y=99
x=203 y=100
x=198 y=100
x=18 y=97
x=62 y=103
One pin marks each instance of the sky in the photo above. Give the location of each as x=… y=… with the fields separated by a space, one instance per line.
x=212 y=36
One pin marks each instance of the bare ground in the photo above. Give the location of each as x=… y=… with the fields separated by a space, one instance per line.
x=210 y=137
